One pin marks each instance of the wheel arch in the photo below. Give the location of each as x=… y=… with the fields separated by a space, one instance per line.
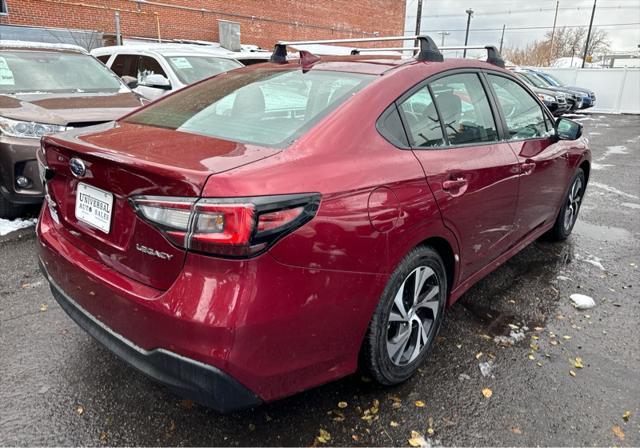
x=444 y=249
x=586 y=167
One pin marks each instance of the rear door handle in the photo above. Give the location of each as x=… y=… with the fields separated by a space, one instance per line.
x=527 y=167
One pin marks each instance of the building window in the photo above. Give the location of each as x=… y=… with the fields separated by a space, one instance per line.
x=3 y=7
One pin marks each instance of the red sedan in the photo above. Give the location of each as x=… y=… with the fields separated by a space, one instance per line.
x=279 y=226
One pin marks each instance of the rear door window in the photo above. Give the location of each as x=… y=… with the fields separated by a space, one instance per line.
x=104 y=58
x=125 y=65
x=464 y=109
x=524 y=116
x=421 y=118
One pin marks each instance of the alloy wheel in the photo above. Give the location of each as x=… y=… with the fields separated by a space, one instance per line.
x=413 y=316
x=573 y=204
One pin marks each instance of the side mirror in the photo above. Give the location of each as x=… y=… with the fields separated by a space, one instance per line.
x=568 y=129
x=130 y=81
x=156 y=81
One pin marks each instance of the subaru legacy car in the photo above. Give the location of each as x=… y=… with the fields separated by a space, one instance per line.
x=279 y=226
x=44 y=89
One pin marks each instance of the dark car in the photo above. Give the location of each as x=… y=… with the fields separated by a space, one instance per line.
x=45 y=89
x=588 y=96
x=275 y=227
x=555 y=101
x=573 y=98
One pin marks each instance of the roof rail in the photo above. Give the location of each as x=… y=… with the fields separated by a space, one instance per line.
x=493 y=55
x=428 y=48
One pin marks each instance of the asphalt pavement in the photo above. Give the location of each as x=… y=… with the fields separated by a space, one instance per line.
x=555 y=375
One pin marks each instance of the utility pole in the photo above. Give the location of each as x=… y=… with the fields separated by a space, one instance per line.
x=118 y=33
x=466 y=36
x=502 y=38
x=586 y=45
x=418 y=20
x=443 y=34
x=553 y=32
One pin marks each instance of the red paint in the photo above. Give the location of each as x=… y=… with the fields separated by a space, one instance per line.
x=295 y=316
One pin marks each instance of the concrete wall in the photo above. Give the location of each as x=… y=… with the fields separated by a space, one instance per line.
x=262 y=22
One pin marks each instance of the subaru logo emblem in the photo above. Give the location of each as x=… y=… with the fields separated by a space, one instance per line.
x=77 y=167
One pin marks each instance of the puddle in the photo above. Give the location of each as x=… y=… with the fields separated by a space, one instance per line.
x=601 y=233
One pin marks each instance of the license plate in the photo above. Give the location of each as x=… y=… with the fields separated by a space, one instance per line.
x=94 y=207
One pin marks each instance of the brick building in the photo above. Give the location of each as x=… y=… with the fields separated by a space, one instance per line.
x=261 y=22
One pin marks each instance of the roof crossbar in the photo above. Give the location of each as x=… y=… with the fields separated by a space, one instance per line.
x=428 y=48
x=493 y=55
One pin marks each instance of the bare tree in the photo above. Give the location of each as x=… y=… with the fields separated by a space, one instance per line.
x=567 y=42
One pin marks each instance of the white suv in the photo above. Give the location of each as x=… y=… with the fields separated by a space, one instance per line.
x=154 y=70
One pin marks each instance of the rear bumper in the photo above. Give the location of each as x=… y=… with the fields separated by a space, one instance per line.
x=275 y=329
x=189 y=378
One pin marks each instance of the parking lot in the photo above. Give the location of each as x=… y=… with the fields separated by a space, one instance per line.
x=568 y=381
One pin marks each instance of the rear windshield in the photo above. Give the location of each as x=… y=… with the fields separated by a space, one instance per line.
x=190 y=69
x=265 y=107
x=27 y=71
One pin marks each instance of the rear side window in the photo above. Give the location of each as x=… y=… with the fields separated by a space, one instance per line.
x=522 y=113
x=104 y=58
x=464 y=109
x=264 y=106
x=125 y=65
x=421 y=118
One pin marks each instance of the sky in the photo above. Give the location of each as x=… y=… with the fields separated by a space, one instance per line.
x=450 y=16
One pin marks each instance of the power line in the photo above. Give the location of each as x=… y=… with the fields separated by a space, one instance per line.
x=526 y=28
x=530 y=10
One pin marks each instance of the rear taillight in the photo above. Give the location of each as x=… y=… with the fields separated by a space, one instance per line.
x=241 y=227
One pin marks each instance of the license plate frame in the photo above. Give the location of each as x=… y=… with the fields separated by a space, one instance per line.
x=94 y=207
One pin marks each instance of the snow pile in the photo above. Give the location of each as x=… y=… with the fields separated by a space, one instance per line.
x=7 y=226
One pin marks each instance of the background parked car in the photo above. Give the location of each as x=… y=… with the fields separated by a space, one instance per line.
x=555 y=101
x=588 y=96
x=574 y=99
x=44 y=89
x=154 y=70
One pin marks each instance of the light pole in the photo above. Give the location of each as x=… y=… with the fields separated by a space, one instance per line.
x=443 y=34
x=586 y=45
x=418 y=23
x=466 y=36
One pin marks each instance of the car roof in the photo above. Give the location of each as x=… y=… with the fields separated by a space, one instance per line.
x=38 y=46
x=164 y=50
x=376 y=65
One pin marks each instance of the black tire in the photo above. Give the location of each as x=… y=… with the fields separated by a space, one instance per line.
x=376 y=360
x=566 y=218
x=8 y=210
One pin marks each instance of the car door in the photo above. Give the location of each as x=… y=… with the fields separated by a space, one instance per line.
x=472 y=174
x=544 y=164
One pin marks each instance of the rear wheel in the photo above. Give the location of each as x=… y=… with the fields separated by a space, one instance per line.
x=571 y=206
x=407 y=319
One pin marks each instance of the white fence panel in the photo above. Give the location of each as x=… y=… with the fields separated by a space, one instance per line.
x=617 y=89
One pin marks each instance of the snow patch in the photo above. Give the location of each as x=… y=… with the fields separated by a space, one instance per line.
x=485 y=368
x=613 y=190
x=514 y=337
x=592 y=259
x=6 y=226
x=614 y=150
x=631 y=205
x=564 y=278
x=600 y=166
x=582 y=302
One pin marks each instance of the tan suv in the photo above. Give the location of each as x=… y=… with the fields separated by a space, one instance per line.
x=45 y=89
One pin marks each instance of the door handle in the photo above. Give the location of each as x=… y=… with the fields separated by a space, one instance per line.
x=527 y=167
x=454 y=184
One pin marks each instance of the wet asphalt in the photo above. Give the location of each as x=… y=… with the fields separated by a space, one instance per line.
x=59 y=387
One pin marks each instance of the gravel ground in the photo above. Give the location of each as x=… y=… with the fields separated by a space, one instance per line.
x=59 y=387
